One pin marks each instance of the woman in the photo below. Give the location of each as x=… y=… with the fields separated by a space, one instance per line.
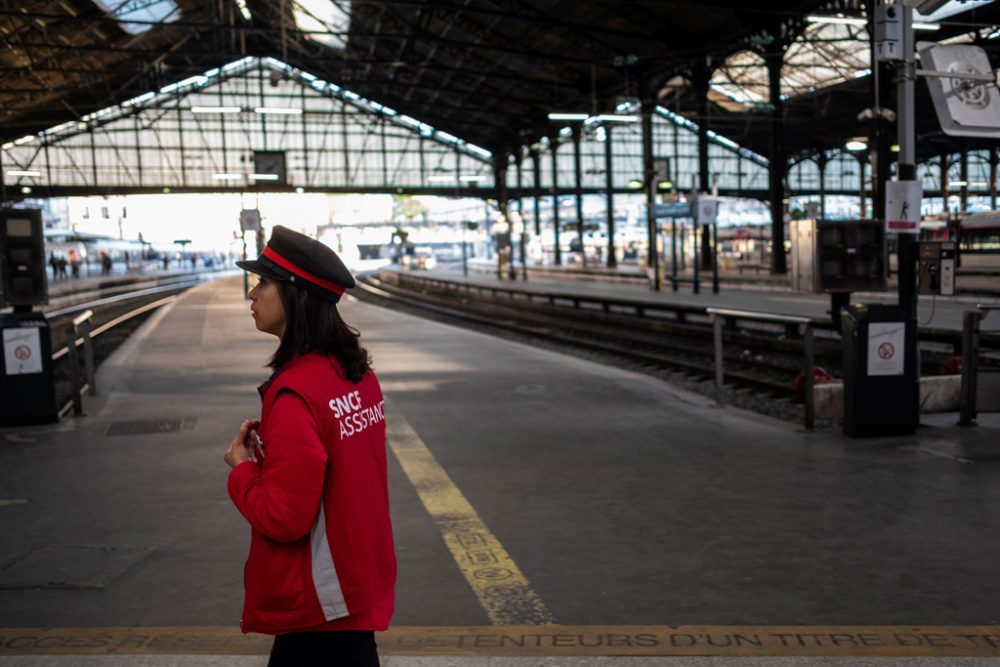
x=310 y=475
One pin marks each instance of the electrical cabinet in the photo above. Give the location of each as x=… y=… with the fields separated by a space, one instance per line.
x=936 y=270
x=841 y=256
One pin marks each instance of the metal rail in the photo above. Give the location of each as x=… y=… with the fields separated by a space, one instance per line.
x=82 y=325
x=970 y=363
x=805 y=327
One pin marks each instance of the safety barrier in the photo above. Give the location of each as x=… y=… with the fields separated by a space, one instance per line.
x=970 y=396
x=805 y=329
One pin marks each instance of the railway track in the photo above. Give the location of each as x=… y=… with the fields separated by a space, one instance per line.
x=115 y=314
x=762 y=361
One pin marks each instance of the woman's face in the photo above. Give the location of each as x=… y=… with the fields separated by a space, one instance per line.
x=268 y=311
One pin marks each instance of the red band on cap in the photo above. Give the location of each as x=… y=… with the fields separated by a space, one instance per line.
x=288 y=266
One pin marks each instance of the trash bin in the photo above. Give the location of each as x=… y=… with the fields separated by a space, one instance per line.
x=27 y=383
x=881 y=373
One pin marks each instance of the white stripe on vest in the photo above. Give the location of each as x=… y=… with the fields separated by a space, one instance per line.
x=324 y=573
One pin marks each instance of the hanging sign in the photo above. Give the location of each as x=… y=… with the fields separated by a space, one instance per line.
x=708 y=210
x=22 y=351
x=885 y=348
x=902 y=207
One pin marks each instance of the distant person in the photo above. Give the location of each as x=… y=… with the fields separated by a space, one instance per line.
x=310 y=475
x=166 y=261
x=54 y=263
x=61 y=264
x=105 y=263
x=74 y=262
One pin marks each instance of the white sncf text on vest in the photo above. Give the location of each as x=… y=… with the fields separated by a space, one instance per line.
x=353 y=416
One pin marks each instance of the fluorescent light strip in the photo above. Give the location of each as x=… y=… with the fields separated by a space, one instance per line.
x=617 y=118
x=279 y=110
x=227 y=177
x=26 y=139
x=568 y=116
x=264 y=177
x=215 y=109
x=856 y=146
x=19 y=172
x=471 y=178
x=926 y=26
x=957 y=184
x=842 y=20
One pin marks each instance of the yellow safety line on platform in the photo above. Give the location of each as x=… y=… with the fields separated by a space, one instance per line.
x=549 y=640
x=502 y=589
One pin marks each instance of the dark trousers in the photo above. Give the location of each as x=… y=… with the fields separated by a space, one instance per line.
x=349 y=648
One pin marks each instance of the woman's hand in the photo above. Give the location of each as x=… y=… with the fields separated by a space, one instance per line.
x=238 y=451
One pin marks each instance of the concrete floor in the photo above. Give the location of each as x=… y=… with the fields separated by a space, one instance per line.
x=623 y=501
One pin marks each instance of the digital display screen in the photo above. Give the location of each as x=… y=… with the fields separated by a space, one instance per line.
x=19 y=228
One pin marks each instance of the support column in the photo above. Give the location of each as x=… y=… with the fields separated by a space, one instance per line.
x=963 y=167
x=906 y=169
x=553 y=148
x=652 y=263
x=578 y=183
x=993 y=179
x=821 y=162
x=522 y=236
x=610 y=196
x=536 y=167
x=777 y=158
x=701 y=80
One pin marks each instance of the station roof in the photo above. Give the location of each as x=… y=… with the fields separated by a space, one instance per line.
x=488 y=71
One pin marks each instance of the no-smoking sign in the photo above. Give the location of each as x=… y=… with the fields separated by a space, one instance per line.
x=22 y=352
x=885 y=341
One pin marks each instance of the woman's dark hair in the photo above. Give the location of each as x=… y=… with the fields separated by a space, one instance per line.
x=313 y=324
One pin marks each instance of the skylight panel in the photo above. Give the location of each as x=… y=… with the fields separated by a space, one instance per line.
x=149 y=12
x=323 y=21
x=826 y=54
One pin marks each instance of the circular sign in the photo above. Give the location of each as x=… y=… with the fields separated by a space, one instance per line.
x=886 y=351
x=22 y=352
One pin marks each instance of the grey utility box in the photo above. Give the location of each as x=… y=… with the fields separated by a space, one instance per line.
x=838 y=256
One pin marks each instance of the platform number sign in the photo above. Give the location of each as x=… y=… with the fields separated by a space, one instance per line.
x=885 y=348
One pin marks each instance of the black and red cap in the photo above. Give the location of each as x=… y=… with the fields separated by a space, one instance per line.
x=304 y=261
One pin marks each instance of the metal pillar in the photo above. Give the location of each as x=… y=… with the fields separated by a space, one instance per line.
x=648 y=180
x=906 y=167
x=536 y=167
x=578 y=182
x=553 y=147
x=963 y=166
x=777 y=158
x=524 y=228
x=610 y=195
x=993 y=178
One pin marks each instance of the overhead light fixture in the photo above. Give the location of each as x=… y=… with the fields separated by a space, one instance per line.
x=227 y=177
x=665 y=185
x=635 y=184
x=26 y=190
x=215 y=109
x=856 y=145
x=26 y=139
x=471 y=178
x=20 y=172
x=300 y=189
x=244 y=10
x=568 y=116
x=957 y=184
x=287 y=111
x=978 y=184
x=440 y=179
x=264 y=177
x=841 y=20
x=919 y=25
x=9 y=144
x=617 y=118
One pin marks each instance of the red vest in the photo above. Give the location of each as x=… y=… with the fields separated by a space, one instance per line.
x=313 y=565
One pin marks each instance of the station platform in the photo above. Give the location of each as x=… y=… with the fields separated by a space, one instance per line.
x=762 y=293
x=593 y=516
